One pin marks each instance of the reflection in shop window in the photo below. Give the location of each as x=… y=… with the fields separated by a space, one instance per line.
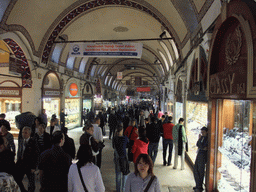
x=234 y=146
x=197 y=114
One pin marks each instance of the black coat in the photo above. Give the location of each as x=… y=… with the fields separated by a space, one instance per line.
x=47 y=142
x=7 y=164
x=30 y=156
x=153 y=132
x=69 y=146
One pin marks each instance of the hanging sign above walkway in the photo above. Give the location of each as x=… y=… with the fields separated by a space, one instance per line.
x=121 y=49
x=143 y=89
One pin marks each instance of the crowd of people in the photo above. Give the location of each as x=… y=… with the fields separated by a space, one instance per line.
x=135 y=133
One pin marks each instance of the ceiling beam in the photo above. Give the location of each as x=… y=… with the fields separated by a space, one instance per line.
x=120 y=40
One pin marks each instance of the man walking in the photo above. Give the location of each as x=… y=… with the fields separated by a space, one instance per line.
x=97 y=134
x=167 y=141
x=153 y=134
x=27 y=157
x=54 y=166
x=179 y=141
x=201 y=159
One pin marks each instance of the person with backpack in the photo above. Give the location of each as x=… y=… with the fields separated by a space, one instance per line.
x=179 y=141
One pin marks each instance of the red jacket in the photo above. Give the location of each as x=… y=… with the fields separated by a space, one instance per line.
x=134 y=134
x=167 y=129
x=139 y=147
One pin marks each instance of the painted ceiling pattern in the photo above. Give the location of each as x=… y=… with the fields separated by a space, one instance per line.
x=41 y=26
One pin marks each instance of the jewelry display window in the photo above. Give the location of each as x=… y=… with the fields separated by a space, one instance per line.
x=72 y=109
x=234 y=141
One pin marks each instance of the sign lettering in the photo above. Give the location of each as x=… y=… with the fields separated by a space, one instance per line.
x=10 y=92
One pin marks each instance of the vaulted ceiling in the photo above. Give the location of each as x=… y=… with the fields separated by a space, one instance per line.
x=42 y=23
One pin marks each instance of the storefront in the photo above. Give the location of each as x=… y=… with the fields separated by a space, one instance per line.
x=232 y=83
x=87 y=97
x=51 y=94
x=72 y=105
x=98 y=98
x=197 y=103
x=179 y=103
x=10 y=101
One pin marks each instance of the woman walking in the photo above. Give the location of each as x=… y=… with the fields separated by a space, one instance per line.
x=121 y=162
x=143 y=179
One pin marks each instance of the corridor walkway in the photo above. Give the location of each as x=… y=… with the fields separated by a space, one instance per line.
x=171 y=180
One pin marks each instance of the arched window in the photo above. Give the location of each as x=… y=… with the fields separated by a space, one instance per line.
x=93 y=70
x=56 y=52
x=167 y=52
x=83 y=64
x=165 y=60
x=70 y=62
x=175 y=49
x=103 y=73
x=106 y=80
x=3 y=6
x=113 y=84
x=109 y=83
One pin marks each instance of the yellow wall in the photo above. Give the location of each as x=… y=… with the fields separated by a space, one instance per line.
x=4 y=53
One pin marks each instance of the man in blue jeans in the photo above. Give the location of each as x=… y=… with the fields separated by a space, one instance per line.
x=153 y=134
x=167 y=141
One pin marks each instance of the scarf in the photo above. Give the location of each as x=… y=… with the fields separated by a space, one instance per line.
x=180 y=142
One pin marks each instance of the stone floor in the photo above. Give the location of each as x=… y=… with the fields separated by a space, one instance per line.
x=171 y=180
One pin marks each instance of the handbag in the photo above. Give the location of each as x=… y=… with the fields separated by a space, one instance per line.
x=149 y=183
x=93 y=152
x=81 y=177
x=130 y=144
x=124 y=165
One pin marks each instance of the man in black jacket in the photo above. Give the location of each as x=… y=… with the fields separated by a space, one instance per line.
x=26 y=160
x=54 y=166
x=112 y=122
x=69 y=145
x=153 y=134
x=43 y=139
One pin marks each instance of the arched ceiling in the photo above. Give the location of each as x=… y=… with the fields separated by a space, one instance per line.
x=43 y=22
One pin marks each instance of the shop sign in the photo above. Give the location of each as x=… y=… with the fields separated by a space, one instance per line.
x=228 y=84
x=108 y=49
x=51 y=93
x=73 y=89
x=10 y=92
x=143 y=89
x=119 y=75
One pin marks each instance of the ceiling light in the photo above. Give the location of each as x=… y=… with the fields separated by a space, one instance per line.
x=121 y=29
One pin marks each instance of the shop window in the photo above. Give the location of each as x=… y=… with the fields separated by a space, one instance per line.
x=197 y=117
x=234 y=145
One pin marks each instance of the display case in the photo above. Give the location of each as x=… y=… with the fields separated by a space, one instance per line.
x=11 y=107
x=234 y=145
x=72 y=106
x=87 y=104
x=178 y=111
x=197 y=114
x=51 y=106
